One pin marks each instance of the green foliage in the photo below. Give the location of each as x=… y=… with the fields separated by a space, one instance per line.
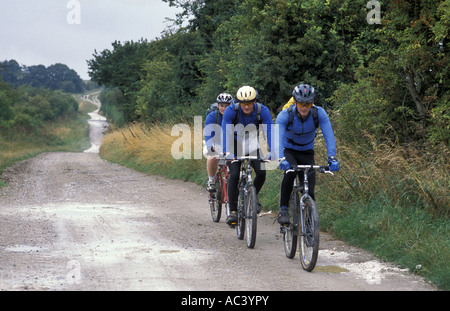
x=171 y=78
x=6 y=103
x=385 y=80
x=408 y=74
x=111 y=99
x=54 y=77
x=121 y=68
x=25 y=109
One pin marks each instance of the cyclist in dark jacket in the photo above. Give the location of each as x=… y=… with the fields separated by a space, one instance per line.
x=245 y=114
x=296 y=142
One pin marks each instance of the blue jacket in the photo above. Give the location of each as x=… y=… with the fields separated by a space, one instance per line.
x=228 y=118
x=301 y=135
x=209 y=132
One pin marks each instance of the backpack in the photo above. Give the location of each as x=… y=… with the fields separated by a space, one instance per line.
x=214 y=107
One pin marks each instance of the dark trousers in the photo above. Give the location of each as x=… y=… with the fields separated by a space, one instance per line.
x=235 y=169
x=295 y=157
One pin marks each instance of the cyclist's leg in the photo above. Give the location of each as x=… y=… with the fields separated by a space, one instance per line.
x=211 y=167
x=260 y=177
x=288 y=178
x=233 y=190
x=259 y=181
x=286 y=186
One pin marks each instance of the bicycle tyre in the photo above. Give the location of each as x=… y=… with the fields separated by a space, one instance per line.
x=290 y=233
x=216 y=202
x=240 y=226
x=251 y=214
x=309 y=235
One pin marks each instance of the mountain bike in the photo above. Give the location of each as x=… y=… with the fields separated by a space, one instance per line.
x=247 y=209
x=303 y=219
x=220 y=196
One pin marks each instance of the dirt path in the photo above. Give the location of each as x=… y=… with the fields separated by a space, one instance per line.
x=72 y=221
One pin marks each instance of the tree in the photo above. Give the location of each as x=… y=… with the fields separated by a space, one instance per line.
x=171 y=79
x=6 y=103
x=121 y=68
x=408 y=74
x=61 y=77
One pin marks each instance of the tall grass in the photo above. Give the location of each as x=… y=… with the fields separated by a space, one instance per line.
x=393 y=201
x=148 y=149
x=390 y=201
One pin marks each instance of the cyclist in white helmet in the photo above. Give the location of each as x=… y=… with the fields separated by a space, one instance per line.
x=212 y=143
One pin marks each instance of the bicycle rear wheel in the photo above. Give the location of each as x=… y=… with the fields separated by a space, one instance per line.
x=215 y=201
x=309 y=235
x=240 y=228
x=251 y=214
x=290 y=232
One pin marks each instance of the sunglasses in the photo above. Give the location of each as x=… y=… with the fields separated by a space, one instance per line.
x=308 y=105
x=246 y=104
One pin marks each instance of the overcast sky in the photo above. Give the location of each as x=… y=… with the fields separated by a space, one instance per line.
x=46 y=32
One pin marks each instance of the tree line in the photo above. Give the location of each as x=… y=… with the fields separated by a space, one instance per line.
x=54 y=77
x=30 y=96
x=386 y=82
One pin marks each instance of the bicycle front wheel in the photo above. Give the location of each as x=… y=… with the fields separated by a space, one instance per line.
x=290 y=232
x=215 y=201
x=309 y=234
x=240 y=228
x=251 y=214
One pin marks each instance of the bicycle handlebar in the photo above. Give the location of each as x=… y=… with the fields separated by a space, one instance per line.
x=320 y=168
x=242 y=158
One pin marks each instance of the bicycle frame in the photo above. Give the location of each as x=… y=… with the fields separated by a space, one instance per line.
x=247 y=211
x=223 y=174
x=245 y=177
x=246 y=171
x=220 y=196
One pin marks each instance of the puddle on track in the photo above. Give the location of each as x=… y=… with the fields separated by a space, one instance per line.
x=23 y=249
x=330 y=269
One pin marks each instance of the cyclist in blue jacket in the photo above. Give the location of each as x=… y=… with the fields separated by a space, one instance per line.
x=213 y=140
x=246 y=114
x=297 y=127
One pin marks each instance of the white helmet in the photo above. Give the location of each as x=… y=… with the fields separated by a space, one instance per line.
x=246 y=94
x=224 y=98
